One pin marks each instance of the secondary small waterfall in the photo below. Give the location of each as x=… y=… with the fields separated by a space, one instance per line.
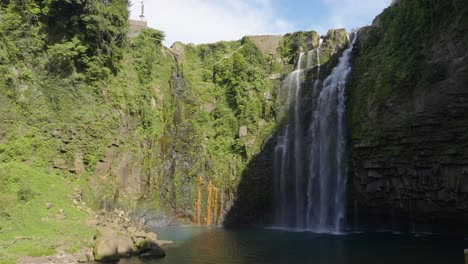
x=290 y=144
x=310 y=166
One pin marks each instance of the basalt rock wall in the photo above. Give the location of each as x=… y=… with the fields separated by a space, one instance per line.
x=408 y=102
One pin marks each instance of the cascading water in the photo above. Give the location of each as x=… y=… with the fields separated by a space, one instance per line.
x=310 y=166
x=290 y=144
x=298 y=141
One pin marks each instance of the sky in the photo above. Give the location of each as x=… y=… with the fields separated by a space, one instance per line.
x=208 y=21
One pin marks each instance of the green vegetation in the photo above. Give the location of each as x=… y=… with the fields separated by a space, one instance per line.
x=128 y=122
x=301 y=41
x=393 y=57
x=223 y=89
x=83 y=36
x=52 y=108
x=27 y=225
x=142 y=120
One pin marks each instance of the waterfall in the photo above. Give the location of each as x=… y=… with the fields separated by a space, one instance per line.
x=317 y=80
x=289 y=143
x=310 y=56
x=310 y=166
x=298 y=142
x=318 y=58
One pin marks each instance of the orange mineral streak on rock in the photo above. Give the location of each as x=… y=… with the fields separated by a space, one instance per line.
x=198 y=209
x=209 y=203
x=216 y=204
x=221 y=204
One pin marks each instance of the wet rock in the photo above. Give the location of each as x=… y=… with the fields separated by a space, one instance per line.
x=164 y=242
x=138 y=237
x=151 y=236
x=150 y=248
x=374 y=174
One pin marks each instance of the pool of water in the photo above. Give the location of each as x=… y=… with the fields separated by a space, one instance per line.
x=245 y=246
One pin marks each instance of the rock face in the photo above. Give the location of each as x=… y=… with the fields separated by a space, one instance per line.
x=409 y=150
x=136 y=27
x=268 y=44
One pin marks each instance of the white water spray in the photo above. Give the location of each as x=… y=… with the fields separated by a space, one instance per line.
x=310 y=179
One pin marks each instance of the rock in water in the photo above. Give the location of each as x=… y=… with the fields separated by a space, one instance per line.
x=151 y=236
x=150 y=248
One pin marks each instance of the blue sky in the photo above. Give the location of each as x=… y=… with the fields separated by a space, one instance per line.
x=207 y=21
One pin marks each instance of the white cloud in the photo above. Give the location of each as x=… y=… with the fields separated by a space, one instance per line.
x=206 y=21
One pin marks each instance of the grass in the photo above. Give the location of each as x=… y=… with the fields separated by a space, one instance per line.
x=27 y=227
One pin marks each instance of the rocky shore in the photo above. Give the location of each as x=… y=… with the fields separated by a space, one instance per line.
x=117 y=236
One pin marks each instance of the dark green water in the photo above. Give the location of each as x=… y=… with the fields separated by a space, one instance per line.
x=199 y=245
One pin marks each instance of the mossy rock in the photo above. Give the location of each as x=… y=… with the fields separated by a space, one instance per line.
x=150 y=249
x=105 y=249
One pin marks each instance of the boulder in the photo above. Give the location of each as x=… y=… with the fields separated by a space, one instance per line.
x=124 y=246
x=150 y=248
x=132 y=230
x=138 y=237
x=106 y=246
x=89 y=256
x=151 y=236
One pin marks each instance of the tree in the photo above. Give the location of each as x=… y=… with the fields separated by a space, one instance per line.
x=20 y=30
x=100 y=26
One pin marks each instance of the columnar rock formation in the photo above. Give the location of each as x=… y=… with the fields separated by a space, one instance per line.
x=409 y=148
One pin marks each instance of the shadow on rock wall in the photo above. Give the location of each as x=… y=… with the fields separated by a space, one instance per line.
x=253 y=202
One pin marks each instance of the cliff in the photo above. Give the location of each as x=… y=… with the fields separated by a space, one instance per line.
x=408 y=112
